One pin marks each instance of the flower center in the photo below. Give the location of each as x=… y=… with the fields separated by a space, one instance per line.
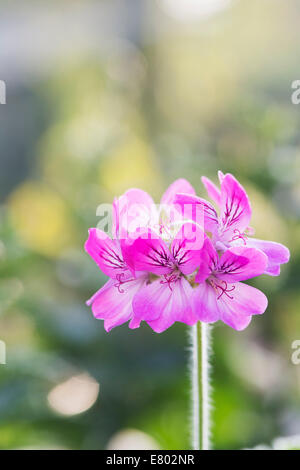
x=171 y=278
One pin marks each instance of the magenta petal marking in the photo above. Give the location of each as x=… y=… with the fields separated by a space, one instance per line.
x=200 y=210
x=150 y=253
x=105 y=252
x=208 y=261
x=235 y=207
x=186 y=247
x=240 y=263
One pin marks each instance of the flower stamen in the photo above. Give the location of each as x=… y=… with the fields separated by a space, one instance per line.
x=119 y=278
x=223 y=288
x=239 y=235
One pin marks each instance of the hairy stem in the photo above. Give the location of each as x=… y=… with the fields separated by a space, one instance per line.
x=200 y=351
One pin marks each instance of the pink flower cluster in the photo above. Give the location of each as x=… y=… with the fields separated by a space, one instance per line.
x=183 y=260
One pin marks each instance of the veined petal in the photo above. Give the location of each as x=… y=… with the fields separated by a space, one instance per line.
x=186 y=247
x=212 y=190
x=244 y=301
x=235 y=207
x=199 y=210
x=105 y=252
x=235 y=308
x=149 y=253
x=113 y=302
x=179 y=186
x=240 y=263
x=161 y=304
x=208 y=261
x=276 y=252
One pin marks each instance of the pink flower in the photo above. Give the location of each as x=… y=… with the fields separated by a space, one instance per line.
x=134 y=211
x=113 y=302
x=231 y=226
x=167 y=297
x=163 y=268
x=220 y=294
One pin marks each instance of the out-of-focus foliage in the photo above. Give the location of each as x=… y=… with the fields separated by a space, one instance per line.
x=166 y=94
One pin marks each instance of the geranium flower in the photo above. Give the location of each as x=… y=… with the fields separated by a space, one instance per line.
x=164 y=268
x=132 y=212
x=135 y=210
x=113 y=302
x=231 y=227
x=220 y=294
x=166 y=297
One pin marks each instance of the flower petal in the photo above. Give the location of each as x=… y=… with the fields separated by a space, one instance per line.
x=113 y=302
x=134 y=210
x=234 y=309
x=205 y=303
x=199 y=210
x=240 y=263
x=186 y=247
x=277 y=254
x=179 y=186
x=245 y=301
x=105 y=252
x=235 y=207
x=160 y=304
x=212 y=190
x=148 y=252
x=208 y=261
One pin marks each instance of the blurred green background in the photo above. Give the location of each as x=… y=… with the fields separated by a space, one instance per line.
x=107 y=95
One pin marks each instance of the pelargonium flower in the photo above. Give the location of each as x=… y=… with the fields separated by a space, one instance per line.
x=163 y=267
x=136 y=210
x=113 y=302
x=231 y=226
x=166 y=297
x=133 y=211
x=220 y=294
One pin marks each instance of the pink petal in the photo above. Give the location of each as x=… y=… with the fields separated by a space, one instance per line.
x=246 y=301
x=205 y=303
x=113 y=304
x=221 y=176
x=105 y=252
x=148 y=253
x=135 y=209
x=235 y=207
x=277 y=254
x=160 y=305
x=240 y=263
x=236 y=310
x=208 y=261
x=186 y=247
x=179 y=186
x=212 y=190
x=199 y=210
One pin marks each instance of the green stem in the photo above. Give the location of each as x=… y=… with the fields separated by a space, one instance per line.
x=200 y=386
